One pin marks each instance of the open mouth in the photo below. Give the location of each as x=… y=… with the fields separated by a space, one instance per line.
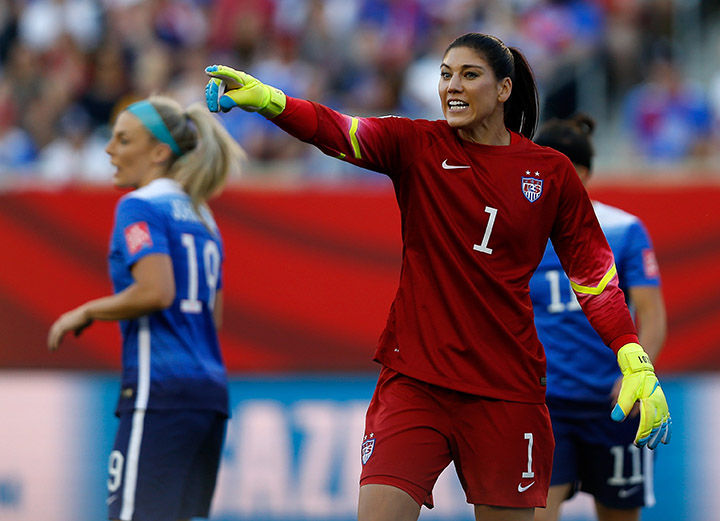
x=457 y=105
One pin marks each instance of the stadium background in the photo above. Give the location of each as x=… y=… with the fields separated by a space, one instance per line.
x=312 y=246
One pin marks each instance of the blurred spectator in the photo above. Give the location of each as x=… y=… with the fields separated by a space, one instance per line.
x=130 y=25
x=241 y=26
x=462 y=15
x=359 y=56
x=180 y=23
x=420 y=97
x=624 y=44
x=187 y=83
x=151 y=71
x=76 y=155
x=62 y=69
x=20 y=74
x=560 y=36
x=107 y=84
x=669 y=117
x=399 y=25
x=633 y=28
x=264 y=140
x=43 y=22
x=320 y=28
x=365 y=84
x=17 y=150
x=715 y=101
x=714 y=93
x=9 y=10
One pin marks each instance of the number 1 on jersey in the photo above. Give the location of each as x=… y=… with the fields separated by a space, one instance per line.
x=530 y=473
x=211 y=262
x=483 y=246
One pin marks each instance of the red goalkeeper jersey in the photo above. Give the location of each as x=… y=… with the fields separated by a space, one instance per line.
x=475 y=223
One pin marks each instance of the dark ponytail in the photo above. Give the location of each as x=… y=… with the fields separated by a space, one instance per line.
x=522 y=107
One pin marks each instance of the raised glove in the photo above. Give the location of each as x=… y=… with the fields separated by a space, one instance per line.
x=230 y=88
x=640 y=383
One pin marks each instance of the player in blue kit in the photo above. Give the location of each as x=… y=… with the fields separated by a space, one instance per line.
x=166 y=267
x=592 y=453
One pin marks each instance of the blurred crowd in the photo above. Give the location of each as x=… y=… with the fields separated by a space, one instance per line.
x=68 y=66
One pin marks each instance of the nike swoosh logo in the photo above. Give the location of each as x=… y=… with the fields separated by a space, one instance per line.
x=452 y=167
x=627 y=492
x=522 y=489
x=111 y=499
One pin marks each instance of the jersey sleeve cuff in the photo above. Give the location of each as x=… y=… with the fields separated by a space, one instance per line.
x=620 y=341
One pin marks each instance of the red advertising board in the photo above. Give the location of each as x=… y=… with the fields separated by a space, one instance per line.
x=310 y=273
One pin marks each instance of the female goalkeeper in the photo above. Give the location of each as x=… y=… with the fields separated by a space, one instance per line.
x=463 y=372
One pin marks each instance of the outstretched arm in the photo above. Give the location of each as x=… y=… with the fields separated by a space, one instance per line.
x=379 y=144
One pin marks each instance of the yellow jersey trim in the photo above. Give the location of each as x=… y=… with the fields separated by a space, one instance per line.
x=354 y=139
x=600 y=287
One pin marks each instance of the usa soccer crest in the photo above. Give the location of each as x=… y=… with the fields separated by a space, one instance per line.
x=532 y=188
x=368 y=447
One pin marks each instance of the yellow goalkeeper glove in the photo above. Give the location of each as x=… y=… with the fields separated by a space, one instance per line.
x=229 y=88
x=640 y=383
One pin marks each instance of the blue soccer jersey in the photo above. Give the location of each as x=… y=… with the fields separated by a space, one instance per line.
x=170 y=358
x=579 y=366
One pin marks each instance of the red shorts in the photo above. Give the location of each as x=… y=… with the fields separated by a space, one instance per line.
x=413 y=430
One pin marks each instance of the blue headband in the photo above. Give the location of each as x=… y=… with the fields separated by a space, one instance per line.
x=149 y=116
